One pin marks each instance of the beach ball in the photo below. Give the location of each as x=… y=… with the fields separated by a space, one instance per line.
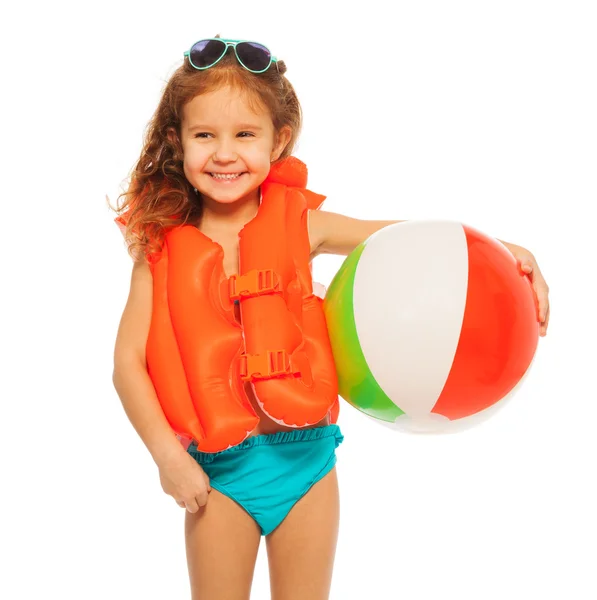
x=433 y=326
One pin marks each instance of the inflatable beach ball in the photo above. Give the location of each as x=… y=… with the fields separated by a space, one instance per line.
x=432 y=326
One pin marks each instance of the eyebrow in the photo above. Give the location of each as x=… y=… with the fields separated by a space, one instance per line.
x=241 y=126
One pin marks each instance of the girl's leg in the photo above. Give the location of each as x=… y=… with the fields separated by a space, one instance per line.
x=222 y=542
x=301 y=550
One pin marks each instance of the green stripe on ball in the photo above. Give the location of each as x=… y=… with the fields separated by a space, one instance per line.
x=356 y=383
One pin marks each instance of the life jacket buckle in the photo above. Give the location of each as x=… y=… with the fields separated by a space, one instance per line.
x=254 y=283
x=273 y=363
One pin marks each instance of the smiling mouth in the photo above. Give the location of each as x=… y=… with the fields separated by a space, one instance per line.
x=226 y=176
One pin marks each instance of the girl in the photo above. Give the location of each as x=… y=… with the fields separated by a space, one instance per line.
x=216 y=158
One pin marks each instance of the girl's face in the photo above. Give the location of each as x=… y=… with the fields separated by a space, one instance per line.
x=228 y=145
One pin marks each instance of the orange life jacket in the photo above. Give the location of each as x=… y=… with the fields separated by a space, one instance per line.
x=199 y=356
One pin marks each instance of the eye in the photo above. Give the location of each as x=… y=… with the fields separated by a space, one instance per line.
x=202 y=134
x=246 y=134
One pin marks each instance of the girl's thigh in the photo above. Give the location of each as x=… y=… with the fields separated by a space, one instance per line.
x=302 y=549
x=222 y=542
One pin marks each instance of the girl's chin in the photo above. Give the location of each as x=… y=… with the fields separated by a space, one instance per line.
x=229 y=195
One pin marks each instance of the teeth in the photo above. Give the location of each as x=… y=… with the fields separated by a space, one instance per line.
x=225 y=175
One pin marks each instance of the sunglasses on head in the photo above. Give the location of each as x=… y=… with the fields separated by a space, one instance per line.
x=252 y=56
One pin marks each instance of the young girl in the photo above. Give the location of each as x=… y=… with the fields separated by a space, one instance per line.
x=222 y=366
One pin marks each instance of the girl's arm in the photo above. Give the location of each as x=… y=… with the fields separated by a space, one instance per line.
x=130 y=377
x=333 y=233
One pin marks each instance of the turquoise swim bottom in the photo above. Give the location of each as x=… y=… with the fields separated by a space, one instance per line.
x=267 y=474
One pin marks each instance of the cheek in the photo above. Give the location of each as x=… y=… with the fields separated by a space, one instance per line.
x=258 y=156
x=195 y=159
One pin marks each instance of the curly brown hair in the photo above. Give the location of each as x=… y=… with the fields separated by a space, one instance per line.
x=159 y=196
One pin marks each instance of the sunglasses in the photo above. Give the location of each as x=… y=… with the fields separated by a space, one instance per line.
x=252 y=56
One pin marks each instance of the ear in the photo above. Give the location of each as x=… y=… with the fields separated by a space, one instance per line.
x=282 y=140
x=172 y=135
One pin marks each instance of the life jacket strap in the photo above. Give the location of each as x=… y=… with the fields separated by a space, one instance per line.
x=273 y=363
x=254 y=283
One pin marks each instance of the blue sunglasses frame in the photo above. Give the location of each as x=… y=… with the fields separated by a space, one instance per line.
x=233 y=44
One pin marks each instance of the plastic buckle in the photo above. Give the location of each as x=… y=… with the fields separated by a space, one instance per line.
x=273 y=363
x=254 y=283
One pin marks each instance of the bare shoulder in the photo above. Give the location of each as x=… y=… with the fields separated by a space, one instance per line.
x=136 y=317
x=334 y=233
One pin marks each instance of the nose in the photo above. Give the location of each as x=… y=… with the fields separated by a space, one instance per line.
x=225 y=152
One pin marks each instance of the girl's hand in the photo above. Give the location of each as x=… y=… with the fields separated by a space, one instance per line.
x=529 y=266
x=184 y=479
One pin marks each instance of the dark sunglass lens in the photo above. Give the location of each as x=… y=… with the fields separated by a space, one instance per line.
x=254 y=56
x=206 y=52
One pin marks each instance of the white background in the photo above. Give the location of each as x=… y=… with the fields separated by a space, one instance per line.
x=482 y=112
